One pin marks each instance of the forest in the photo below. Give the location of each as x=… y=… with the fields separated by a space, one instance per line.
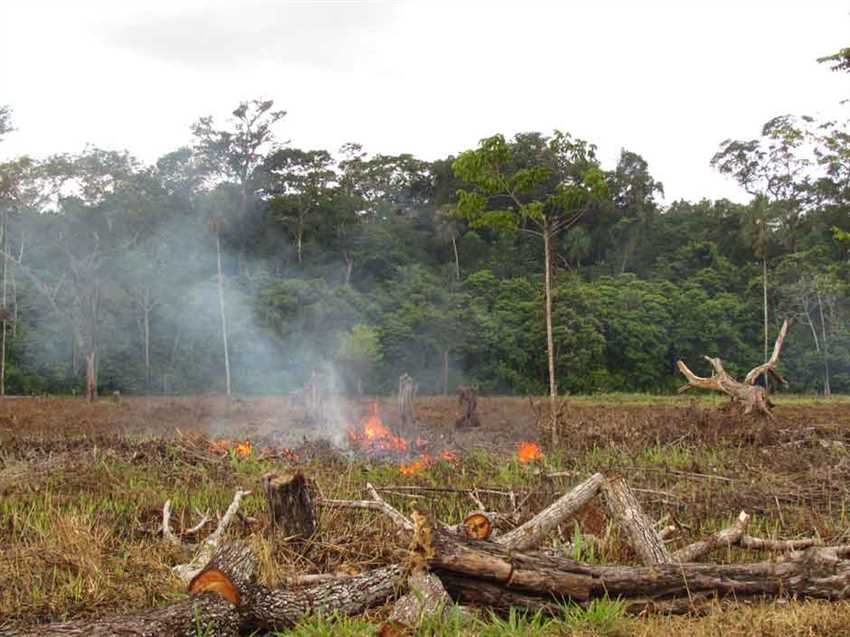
x=239 y=263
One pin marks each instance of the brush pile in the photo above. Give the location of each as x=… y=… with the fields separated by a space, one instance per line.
x=488 y=560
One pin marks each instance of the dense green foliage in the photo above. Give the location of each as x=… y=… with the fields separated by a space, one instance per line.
x=365 y=267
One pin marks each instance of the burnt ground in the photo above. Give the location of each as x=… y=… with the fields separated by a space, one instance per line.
x=698 y=455
x=93 y=477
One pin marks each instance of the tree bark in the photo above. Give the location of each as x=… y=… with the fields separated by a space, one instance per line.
x=468 y=399
x=747 y=393
x=457 y=257
x=827 y=391
x=5 y=312
x=624 y=507
x=223 y=316
x=766 y=342
x=550 y=339
x=290 y=503
x=816 y=572
x=532 y=532
x=91 y=376
x=724 y=537
x=224 y=599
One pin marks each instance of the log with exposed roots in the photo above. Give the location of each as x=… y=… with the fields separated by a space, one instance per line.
x=748 y=394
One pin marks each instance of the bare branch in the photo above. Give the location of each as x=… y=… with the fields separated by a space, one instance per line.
x=770 y=365
x=724 y=537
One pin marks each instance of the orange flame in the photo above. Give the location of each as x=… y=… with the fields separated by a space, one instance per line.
x=373 y=434
x=244 y=449
x=450 y=457
x=528 y=452
x=422 y=462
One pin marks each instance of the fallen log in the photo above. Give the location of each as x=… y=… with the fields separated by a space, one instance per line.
x=724 y=537
x=224 y=599
x=624 y=507
x=818 y=572
x=533 y=532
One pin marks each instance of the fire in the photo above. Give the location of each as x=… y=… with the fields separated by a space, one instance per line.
x=422 y=462
x=373 y=434
x=450 y=457
x=373 y=437
x=244 y=449
x=528 y=452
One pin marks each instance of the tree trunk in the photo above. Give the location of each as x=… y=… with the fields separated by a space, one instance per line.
x=816 y=572
x=550 y=339
x=468 y=399
x=535 y=530
x=349 y=266
x=445 y=372
x=624 y=507
x=5 y=313
x=827 y=391
x=224 y=600
x=747 y=393
x=91 y=376
x=223 y=316
x=299 y=238
x=457 y=257
x=766 y=342
x=290 y=503
x=146 y=318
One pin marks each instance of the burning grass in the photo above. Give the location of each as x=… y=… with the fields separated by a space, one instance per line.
x=80 y=510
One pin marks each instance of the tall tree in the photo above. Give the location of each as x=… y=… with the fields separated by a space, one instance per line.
x=237 y=152
x=633 y=192
x=298 y=187
x=773 y=170
x=536 y=185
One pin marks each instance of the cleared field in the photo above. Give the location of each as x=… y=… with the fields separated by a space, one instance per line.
x=82 y=488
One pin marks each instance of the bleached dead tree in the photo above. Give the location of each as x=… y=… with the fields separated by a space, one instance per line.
x=750 y=395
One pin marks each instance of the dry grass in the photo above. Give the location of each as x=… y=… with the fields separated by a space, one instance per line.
x=82 y=486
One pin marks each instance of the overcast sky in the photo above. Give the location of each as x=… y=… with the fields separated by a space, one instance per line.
x=669 y=80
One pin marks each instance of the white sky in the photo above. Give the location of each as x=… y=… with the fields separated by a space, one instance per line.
x=667 y=79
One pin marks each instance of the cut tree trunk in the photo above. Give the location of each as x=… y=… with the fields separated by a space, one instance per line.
x=750 y=395
x=468 y=399
x=537 y=528
x=406 y=394
x=624 y=507
x=290 y=503
x=816 y=572
x=224 y=599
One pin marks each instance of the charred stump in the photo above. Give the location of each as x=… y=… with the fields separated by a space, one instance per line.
x=468 y=400
x=290 y=503
x=406 y=394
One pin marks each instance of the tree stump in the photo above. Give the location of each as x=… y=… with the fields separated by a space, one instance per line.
x=406 y=394
x=291 y=510
x=468 y=399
